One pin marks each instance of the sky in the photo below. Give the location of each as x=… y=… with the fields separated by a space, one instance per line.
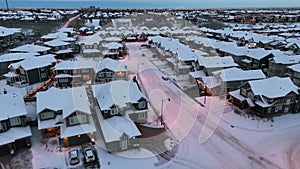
x=152 y=3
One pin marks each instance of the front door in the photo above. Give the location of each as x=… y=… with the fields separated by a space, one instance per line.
x=124 y=144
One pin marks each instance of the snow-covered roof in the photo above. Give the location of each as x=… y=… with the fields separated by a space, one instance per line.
x=86 y=51
x=14 y=133
x=15 y=56
x=113 y=65
x=112 y=39
x=8 y=31
x=34 y=62
x=287 y=60
x=12 y=105
x=83 y=128
x=295 y=67
x=113 y=45
x=274 y=87
x=56 y=42
x=73 y=64
x=114 y=127
x=216 y=62
x=69 y=100
x=90 y=40
x=30 y=48
x=118 y=93
x=237 y=74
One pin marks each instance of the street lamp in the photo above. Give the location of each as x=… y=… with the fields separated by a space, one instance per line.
x=162 y=107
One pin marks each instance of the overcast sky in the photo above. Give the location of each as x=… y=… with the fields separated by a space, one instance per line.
x=178 y=3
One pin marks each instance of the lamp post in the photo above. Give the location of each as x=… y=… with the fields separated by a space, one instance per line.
x=162 y=107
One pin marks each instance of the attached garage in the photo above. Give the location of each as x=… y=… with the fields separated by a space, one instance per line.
x=78 y=140
x=4 y=150
x=21 y=143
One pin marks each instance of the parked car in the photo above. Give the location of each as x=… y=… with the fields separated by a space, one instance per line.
x=74 y=157
x=89 y=155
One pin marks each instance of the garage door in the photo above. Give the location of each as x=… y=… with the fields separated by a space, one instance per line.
x=20 y=144
x=4 y=150
x=73 y=141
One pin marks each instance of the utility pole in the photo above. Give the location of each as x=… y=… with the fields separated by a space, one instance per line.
x=6 y=5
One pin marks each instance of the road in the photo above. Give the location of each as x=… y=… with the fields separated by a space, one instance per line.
x=199 y=145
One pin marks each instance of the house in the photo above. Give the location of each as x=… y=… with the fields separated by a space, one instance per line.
x=114 y=50
x=65 y=113
x=15 y=132
x=72 y=73
x=9 y=37
x=60 y=48
x=293 y=46
x=30 y=48
x=109 y=70
x=294 y=73
x=121 y=104
x=229 y=79
x=268 y=97
x=90 y=46
x=211 y=64
x=9 y=58
x=34 y=69
x=257 y=58
x=279 y=63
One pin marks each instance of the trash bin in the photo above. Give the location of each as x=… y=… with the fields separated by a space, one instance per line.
x=12 y=152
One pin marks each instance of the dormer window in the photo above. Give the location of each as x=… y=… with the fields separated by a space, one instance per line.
x=114 y=111
x=15 y=121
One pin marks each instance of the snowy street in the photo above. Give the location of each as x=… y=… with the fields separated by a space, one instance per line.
x=185 y=119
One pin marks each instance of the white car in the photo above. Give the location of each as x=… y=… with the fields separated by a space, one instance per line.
x=89 y=155
x=73 y=156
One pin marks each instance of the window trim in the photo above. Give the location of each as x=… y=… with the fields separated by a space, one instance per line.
x=15 y=121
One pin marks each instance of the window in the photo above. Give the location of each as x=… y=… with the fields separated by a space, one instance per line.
x=15 y=121
x=142 y=115
x=43 y=75
x=109 y=74
x=73 y=120
x=277 y=108
x=142 y=104
x=63 y=80
x=114 y=111
x=100 y=74
x=120 y=74
x=22 y=71
x=286 y=109
x=1 y=126
x=47 y=115
x=85 y=70
x=288 y=101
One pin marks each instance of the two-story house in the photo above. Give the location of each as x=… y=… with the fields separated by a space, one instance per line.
x=71 y=73
x=268 y=97
x=65 y=113
x=114 y=50
x=14 y=132
x=31 y=48
x=34 y=69
x=278 y=64
x=226 y=80
x=9 y=58
x=294 y=73
x=215 y=63
x=109 y=70
x=90 y=46
x=60 y=48
x=121 y=104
